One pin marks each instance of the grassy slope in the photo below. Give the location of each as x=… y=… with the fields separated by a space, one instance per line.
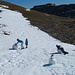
x=58 y=27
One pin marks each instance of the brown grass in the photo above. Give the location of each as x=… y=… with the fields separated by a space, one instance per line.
x=58 y=27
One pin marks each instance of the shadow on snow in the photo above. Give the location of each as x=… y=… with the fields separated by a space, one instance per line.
x=56 y=53
x=46 y=65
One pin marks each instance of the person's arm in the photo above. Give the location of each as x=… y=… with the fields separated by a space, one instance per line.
x=17 y=42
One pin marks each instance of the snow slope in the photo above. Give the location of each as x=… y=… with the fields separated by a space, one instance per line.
x=33 y=60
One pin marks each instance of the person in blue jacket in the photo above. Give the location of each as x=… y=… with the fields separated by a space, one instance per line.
x=20 y=41
x=26 y=43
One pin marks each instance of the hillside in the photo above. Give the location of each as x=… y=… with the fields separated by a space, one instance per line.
x=58 y=27
x=65 y=10
x=36 y=59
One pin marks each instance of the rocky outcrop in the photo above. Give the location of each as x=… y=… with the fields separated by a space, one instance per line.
x=60 y=10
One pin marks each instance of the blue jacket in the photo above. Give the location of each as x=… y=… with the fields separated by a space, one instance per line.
x=19 y=41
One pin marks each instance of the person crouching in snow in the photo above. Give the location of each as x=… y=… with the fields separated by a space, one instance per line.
x=61 y=49
x=26 y=43
x=20 y=41
x=58 y=49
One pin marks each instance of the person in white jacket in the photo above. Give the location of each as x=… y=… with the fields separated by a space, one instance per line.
x=60 y=49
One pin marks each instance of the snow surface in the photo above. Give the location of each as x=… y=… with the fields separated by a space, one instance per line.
x=27 y=9
x=33 y=60
x=4 y=6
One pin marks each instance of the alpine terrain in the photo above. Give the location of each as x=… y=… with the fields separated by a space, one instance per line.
x=36 y=59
